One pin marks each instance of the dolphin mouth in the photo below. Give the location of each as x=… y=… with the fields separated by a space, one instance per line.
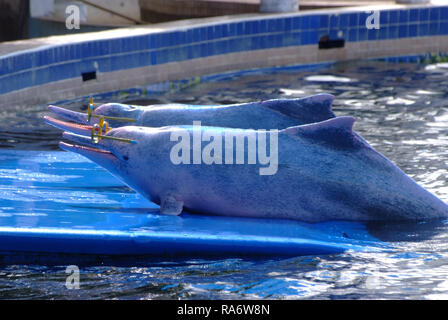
x=82 y=129
x=69 y=115
x=94 y=154
x=80 y=139
x=79 y=148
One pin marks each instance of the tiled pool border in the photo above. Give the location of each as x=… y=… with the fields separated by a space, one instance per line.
x=149 y=90
x=159 y=55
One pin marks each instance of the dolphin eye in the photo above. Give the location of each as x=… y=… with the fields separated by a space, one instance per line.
x=126 y=158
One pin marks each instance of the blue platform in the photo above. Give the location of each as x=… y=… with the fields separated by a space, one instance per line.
x=61 y=203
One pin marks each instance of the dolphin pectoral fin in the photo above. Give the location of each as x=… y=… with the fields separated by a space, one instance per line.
x=310 y=109
x=171 y=206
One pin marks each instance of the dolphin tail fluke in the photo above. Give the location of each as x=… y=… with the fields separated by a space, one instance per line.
x=310 y=109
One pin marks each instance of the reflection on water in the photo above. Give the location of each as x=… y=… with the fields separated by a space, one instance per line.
x=402 y=110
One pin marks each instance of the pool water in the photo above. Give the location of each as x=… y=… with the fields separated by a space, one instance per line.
x=401 y=109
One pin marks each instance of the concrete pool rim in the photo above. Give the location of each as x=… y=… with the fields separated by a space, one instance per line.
x=169 y=53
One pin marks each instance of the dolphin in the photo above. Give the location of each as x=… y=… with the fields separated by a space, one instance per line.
x=324 y=171
x=269 y=114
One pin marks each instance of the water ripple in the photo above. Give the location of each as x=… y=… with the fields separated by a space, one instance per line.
x=401 y=109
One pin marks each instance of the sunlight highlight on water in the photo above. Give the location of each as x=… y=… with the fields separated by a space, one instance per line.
x=401 y=109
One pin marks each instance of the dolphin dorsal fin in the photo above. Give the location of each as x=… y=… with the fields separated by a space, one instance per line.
x=305 y=110
x=337 y=132
x=343 y=123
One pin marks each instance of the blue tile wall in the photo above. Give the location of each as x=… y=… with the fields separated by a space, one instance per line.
x=67 y=61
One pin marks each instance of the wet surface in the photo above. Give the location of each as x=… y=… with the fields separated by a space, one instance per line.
x=401 y=109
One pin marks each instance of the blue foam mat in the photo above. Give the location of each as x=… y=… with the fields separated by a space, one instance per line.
x=59 y=202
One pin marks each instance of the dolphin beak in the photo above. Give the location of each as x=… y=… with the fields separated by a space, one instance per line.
x=83 y=140
x=81 y=129
x=69 y=115
x=102 y=157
